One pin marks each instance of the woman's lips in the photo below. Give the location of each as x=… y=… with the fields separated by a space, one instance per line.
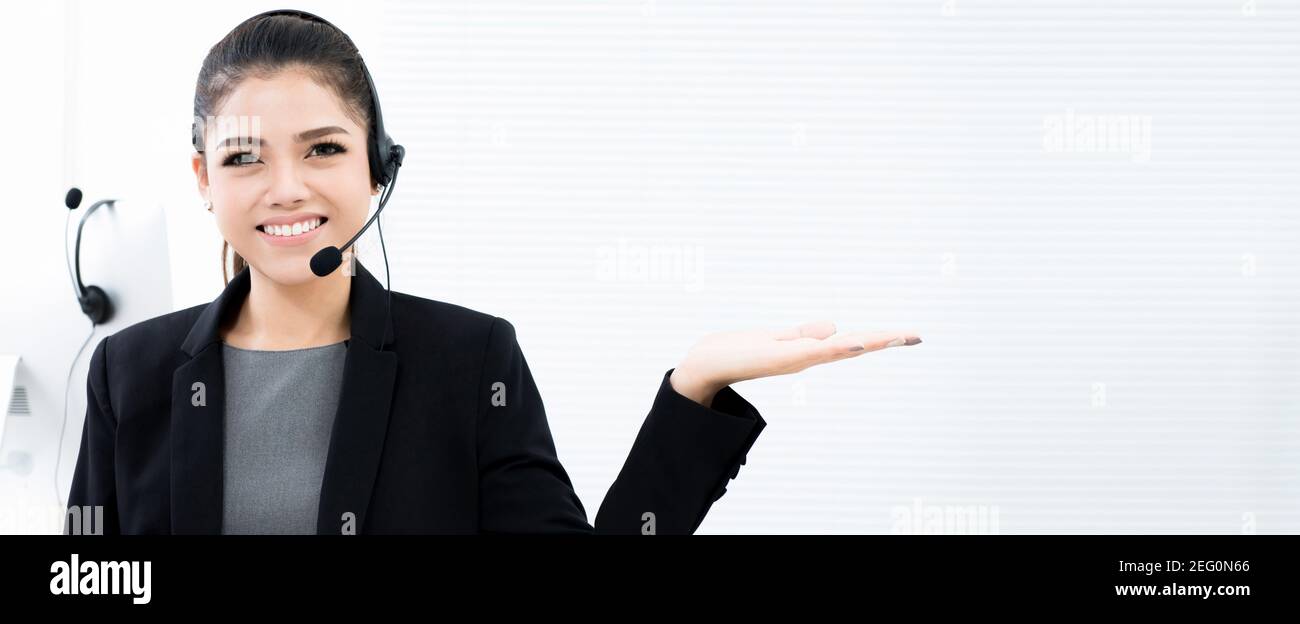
x=290 y=241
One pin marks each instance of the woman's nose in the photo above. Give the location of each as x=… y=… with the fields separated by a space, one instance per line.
x=287 y=185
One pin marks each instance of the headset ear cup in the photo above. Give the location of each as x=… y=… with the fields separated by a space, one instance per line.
x=96 y=305
x=396 y=154
x=381 y=164
x=385 y=158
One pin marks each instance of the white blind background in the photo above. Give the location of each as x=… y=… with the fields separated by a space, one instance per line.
x=1109 y=317
x=1110 y=336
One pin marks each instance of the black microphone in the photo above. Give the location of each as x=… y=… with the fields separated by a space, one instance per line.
x=329 y=258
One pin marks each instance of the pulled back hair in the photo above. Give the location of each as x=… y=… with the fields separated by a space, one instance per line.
x=262 y=48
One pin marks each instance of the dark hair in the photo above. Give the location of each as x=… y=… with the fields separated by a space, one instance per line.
x=265 y=46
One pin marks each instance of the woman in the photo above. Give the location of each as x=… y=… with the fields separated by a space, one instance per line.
x=294 y=403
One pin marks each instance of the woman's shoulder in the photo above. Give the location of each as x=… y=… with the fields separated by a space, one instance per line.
x=421 y=315
x=146 y=349
x=163 y=331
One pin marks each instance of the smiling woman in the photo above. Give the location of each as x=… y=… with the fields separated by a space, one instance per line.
x=309 y=400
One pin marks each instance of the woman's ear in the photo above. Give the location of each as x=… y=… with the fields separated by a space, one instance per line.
x=200 y=173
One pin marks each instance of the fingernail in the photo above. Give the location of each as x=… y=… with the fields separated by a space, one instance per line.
x=895 y=342
x=912 y=341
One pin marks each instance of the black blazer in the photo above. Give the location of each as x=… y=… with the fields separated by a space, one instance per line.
x=418 y=443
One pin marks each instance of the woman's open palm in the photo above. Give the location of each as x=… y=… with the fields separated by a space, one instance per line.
x=721 y=359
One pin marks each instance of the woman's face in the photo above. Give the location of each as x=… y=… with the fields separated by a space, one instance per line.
x=282 y=156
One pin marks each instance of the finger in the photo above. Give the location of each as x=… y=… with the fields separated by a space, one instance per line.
x=816 y=329
x=801 y=353
x=852 y=344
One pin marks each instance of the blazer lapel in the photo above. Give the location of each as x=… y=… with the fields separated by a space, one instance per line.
x=198 y=440
x=357 y=441
x=357 y=437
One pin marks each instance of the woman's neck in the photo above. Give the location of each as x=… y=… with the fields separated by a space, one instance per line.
x=276 y=317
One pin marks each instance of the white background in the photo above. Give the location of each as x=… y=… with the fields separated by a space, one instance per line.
x=1110 y=338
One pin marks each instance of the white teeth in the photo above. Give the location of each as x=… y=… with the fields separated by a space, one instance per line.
x=292 y=230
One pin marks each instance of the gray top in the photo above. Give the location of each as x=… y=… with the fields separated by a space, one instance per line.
x=279 y=413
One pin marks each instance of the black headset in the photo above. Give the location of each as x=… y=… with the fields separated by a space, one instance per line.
x=95 y=303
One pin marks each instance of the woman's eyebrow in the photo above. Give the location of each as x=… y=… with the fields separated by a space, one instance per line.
x=318 y=132
x=301 y=137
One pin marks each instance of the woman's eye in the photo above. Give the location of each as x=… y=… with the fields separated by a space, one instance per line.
x=235 y=160
x=331 y=148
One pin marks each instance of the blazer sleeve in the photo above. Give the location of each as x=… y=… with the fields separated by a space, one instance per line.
x=93 y=479
x=680 y=463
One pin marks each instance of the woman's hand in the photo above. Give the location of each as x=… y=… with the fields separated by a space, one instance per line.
x=719 y=360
